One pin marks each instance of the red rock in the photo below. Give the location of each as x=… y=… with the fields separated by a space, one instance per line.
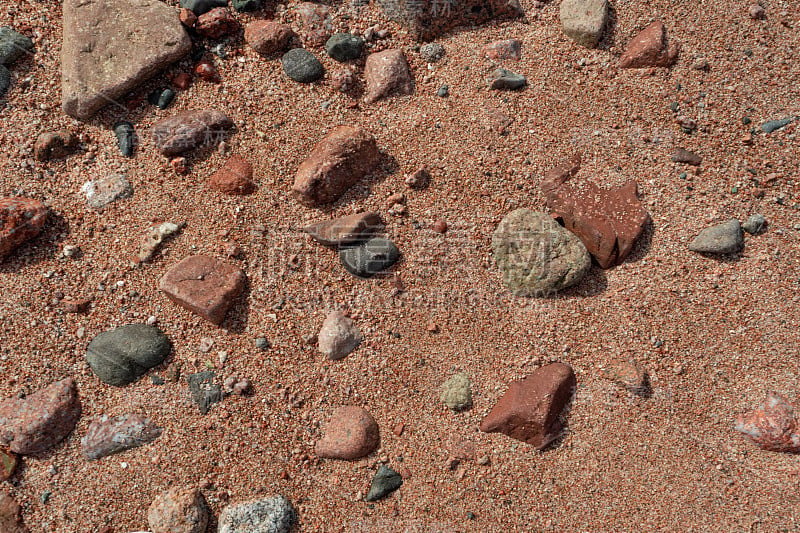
x=315 y=22
x=188 y=18
x=336 y=163
x=267 y=36
x=55 y=145
x=505 y=49
x=180 y=165
x=38 y=422
x=21 y=219
x=497 y=121
x=351 y=433
x=419 y=179
x=178 y=510
x=182 y=81
x=10 y=515
x=607 y=221
x=76 y=306
x=349 y=229
x=8 y=463
x=387 y=73
x=532 y=409
x=440 y=226
x=682 y=155
x=235 y=177
x=343 y=79
x=650 y=48
x=204 y=285
x=207 y=72
x=772 y=426
x=216 y=23
x=756 y=12
x=189 y=129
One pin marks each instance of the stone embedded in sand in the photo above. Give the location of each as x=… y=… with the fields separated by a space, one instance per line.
x=217 y=23
x=98 y=66
x=204 y=285
x=108 y=436
x=584 y=20
x=350 y=229
x=267 y=36
x=457 y=392
x=506 y=80
x=189 y=129
x=21 y=219
x=386 y=74
x=725 y=238
x=178 y=510
x=235 y=177
x=10 y=515
x=108 y=189
x=38 y=422
x=650 y=48
x=154 y=238
x=351 y=433
x=122 y=355
x=536 y=256
x=314 y=21
x=682 y=155
x=267 y=515
x=336 y=163
x=55 y=145
x=607 y=221
x=385 y=482
x=772 y=426
x=533 y=408
x=630 y=375
x=508 y=49
x=339 y=336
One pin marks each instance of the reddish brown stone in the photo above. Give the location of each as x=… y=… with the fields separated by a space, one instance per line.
x=650 y=48
x=505 y=49
x=55 y=145
x=607 y=221
x=204 y=285
x=188 y=18
x=315 y=22
x=235 y=177
x=343 y=79
x=440 y=226
x=182 y=81
x=207 y=72
x=335 y=164
x=267 y=36
x=351 y=433
x=386 y=74
x=8 y=463
x=772 y=426
x=216 y=23
x=21 y=219
x=178 y=510
x=10 y=515
x=188 y=130
x=497 y=121
x=38 y=422
x=349 y=229
x=630 y=375
x=76 y=306
x=532 y=409
x=419 y=179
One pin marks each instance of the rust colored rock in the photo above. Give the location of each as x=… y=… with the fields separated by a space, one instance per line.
x=217 y=23
x=682 y=155
x=497 y=121
x=38 y=422
x=533 y=408
x=343 y=79
x=350 y=434
x=10 y=515
x=182 y=81
x=419 y=179
x=76 y=306
x=650 y=48
x=21 y=219
x=188 y=18
x=178 y=510
x=204 y=285
x=607 y=221
x=235 y=177
x=335 y=164
x=350 y=229
x=8 y=463
x=315 y=22
x=188 y=130
x=772 y=426
x=267 y=36
x=506 y=49
x=207 y=72
x=55 y=145
x=387 y=74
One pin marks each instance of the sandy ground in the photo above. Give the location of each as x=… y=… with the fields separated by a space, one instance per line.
x=728 y=328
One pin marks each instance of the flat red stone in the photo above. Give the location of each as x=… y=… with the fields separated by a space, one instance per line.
x=21 y=219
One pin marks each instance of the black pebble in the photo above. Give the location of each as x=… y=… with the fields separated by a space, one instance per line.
x=204 y=391
x=161 y=98
x=302 y=66
x=385 y=482
x=203 y=6
x=126 y=137
x=344 y=47
x=370 y=257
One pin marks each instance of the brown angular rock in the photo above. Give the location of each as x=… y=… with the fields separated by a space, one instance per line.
x=178 y=510
x=509 y=49
x=235 y=177
x=55 y=145
x=21 y=219
x=419 y=179
x=350 y=229
x=650 y=48
x=188 y=130
x=335 y=164
x=682 y=155
x=10 y=515
x=315 y=22
x=98 y=67
x=343 y=79
x=204 y=285
x=338 y=336
x=267 y=36
x=607 y=221
x=532 y=409
x=8 y=463
x=772 y=426
x=350 y=434
x=38 y=422
x=216 y=23
x=188 y=18
x=386 y=74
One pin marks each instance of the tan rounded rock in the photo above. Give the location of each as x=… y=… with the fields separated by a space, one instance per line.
x=178 y=510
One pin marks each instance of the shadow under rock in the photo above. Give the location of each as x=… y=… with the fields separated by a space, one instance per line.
x=387 y=166
x=42 y=247
x=236 y=319
x=593 y=283
x=643 y=244
x=608 y=38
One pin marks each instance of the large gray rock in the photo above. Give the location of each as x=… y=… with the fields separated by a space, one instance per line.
x=537 y=256
x=269 y=515
x=584 y=20
x=725 y=238
x=13 y=45
x=112 y=46
x=122 y=355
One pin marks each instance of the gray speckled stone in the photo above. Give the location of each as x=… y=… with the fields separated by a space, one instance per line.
x=302 y=66
x=122 y=355
x=344 y=47
x=503 y=79
x=108 y=436
x=385 y=482
x=369 y=258
x=103 y=191
x=754 y=224
x=204 y=391
x=725 y=238
x=268 y=515
x=13 y=45
x=584 y=20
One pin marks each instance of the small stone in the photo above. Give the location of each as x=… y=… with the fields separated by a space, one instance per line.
x=774 y=125
x=419 y=179
x=630 y=375
x=161 y=98
x=756 y=12
x=207 y=72
x=204 y=285
x=242 y=387
x=344 y=47
x=55 y=145
x=533 y=408
x=440 y=226
x=508 y=49
x=216 y=23
x=268 y=515
x=302 y=66
x=106 y=190
x=457 y=392
x=189 y=129
x=154 y=238
x=10 y=515
x=122 y=355
x=385 y=482
x=584 y=20
x=13 y=46
x=262 y=343
x=701 y=64
x=267 y=36
x=350 y=434
x=506 y=80
x=772 y=426
x=754 y=224
x=8 y=463
x=370 y=257
x=387 y=73
x=36 y=423
x=205 y=392
x=107 y=436
x=650 y=48
x=245 y=6
x=188 y=18
x=199 y=7
x=725 y=238
x=443 y=91
x=126 y=137
x=182 y=81
x=350 y=229
x=339 y=336
x=235 y=177
x=315 y=22
x=178 y=510
x=684 y=156
x=432 y=52
x=21 y=219
x=76 y=306
x=343 y=79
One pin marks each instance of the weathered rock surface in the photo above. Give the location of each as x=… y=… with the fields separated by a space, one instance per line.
x=235 y=177
x=314 y=21
x=13 y=46
x=154 y=238
x=55 y=145
x=106 y=190
x=205 y=392
x=584 y=21
x=370 y=257
x=108 y=436
x=351 y=433
x=387 y=74
x=268 y=515
x=267 y=36
x=217 y=23
x=772 y=426
x=725 y=238
x=350 y=229
x=507 y=49
x=178 y=510
x=189 y=129
x=8 y=463
x=683 y=155
x=339 y=336
x=457 y=392
x=650 y=48
x=122 y=355
x=21 y=219
x=10 y=515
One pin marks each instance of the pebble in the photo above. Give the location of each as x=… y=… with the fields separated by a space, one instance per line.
x=302 y=66
x=507 y=49
x=756 y=12
x=243 y=6
x=13 y=46
x=370 y=257
x=8 y=463
x=99 y=193
x=387 y=74
x=351 y=433
x=274 y=514
x=204 y=285
x=178 y=510
x=205 y=392
x=630 y=375
x=161 y=98
x=126 y=137
x=338 y=336
x=385 y=482
x=343 y=79
x=443 y=91
x=346 y=230
x=503 y=79
x=187 y=17
x=344 y=47
x=682 y=155
x=154 y=238
x=189 y=129
x=725 y=238
x=234 y=178
x=108 y=436
x=440 y=226
x=754 y=224
x=457 y=392
x=772 y=426
x=419 y=179
x=35 y=423
x=532 y=409
x=5 y=80
x=774 y=125
x=182 y=81
x=199 y=7
x=650 y=48
x=315 y=22
x=262 y=343
x=10 y=515
x=267 y=36
x=207 y=72
x=55 y=145
x=584 y=21
x=124 y=354
x=21 y=219
x=216 y=23
x=432 y=52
